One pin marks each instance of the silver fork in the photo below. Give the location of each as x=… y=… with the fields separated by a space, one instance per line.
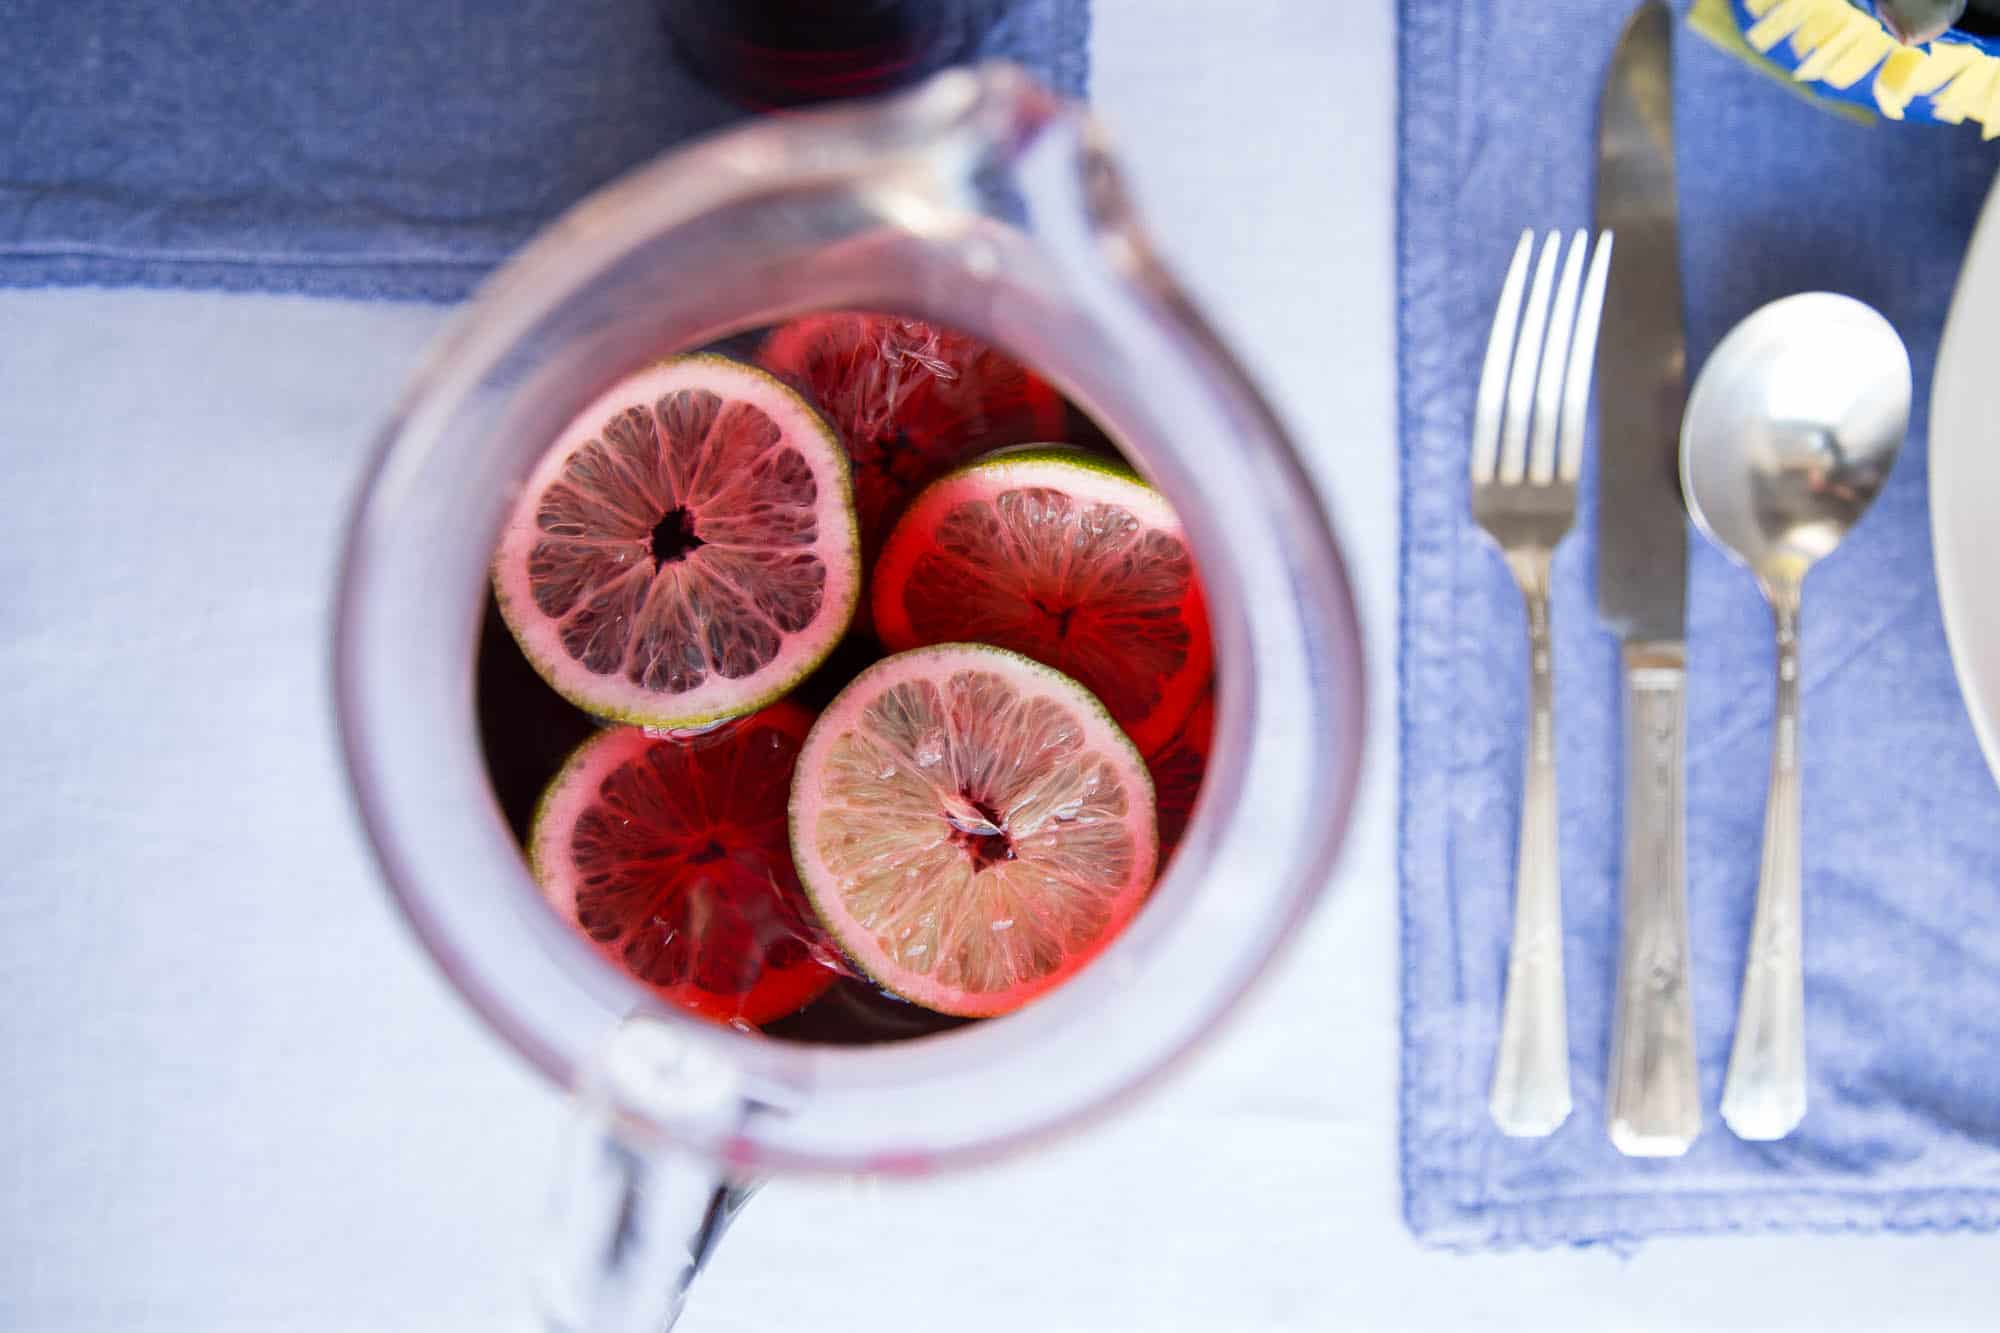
x=1527 y=448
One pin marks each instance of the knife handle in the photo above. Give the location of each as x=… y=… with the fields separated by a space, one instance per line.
x=1653 y=1095
x=1530 y=1093
x=1764 y=1095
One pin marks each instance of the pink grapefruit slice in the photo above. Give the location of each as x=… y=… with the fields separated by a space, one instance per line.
x=686 y=551
x=1066 y=557
x=671 y=855
x=971 y=826
x=911 y=401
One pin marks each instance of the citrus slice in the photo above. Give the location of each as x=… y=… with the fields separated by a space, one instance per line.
x=1177 y=769
x=671 y=856
x=1066 y=557
x=911 y=400
x=686 y=551
x=971 y=826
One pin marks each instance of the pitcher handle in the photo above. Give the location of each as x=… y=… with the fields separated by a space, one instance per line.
x=637 y=1213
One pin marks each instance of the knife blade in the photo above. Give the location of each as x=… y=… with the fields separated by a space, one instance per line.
x=1652 y=1094
x=1642 y=371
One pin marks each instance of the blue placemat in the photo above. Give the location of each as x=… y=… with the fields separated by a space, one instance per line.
x=367 y=148
x=1902 y=820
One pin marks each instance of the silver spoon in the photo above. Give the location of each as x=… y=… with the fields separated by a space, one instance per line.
x=1790 y=432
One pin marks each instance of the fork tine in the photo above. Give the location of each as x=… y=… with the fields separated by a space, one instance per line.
x=1555 y=355
x=1521 y=380
x=1582 y=361
x=1493 y=378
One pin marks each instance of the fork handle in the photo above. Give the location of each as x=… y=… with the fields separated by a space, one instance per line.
x=1530 y=1094
x=1653 y=1096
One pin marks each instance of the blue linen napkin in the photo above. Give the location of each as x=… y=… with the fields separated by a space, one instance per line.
x=371 y=148
x=1902 y=820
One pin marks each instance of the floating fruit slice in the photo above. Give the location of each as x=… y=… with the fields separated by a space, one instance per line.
x=971 y=826
x=911 y=400
x=1177 y=769
x=671 y=855
x=686 y=551
x=1064 y=556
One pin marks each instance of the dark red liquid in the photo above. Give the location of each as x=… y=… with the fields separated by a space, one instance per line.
x=766 y=53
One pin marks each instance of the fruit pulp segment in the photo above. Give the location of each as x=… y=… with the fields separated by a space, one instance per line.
x=967 y=792
x=1086 y=585
x=976 y=836
x=685 y=552
x=673 y=857
x=911 y=401
x=680 y=544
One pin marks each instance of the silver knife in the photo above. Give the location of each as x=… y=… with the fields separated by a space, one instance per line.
x=1652 y=1096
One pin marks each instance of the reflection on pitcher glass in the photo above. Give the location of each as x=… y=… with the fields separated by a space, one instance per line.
x=839 y=666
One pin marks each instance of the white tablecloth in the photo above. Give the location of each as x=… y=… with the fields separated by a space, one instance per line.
x=235 y=1095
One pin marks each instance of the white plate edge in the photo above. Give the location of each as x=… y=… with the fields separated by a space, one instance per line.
x=1968 y=647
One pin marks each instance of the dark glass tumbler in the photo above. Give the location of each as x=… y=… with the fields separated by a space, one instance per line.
x=766 y=53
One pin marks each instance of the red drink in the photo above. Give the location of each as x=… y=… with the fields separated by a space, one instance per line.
x=640 y=870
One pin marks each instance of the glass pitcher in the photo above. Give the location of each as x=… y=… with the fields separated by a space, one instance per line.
x=978 y=201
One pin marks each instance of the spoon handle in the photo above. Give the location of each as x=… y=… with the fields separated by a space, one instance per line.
x=1764 y=1095
x=1653 y=1097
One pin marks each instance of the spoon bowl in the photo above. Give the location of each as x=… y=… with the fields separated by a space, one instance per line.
x=1791 y=430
